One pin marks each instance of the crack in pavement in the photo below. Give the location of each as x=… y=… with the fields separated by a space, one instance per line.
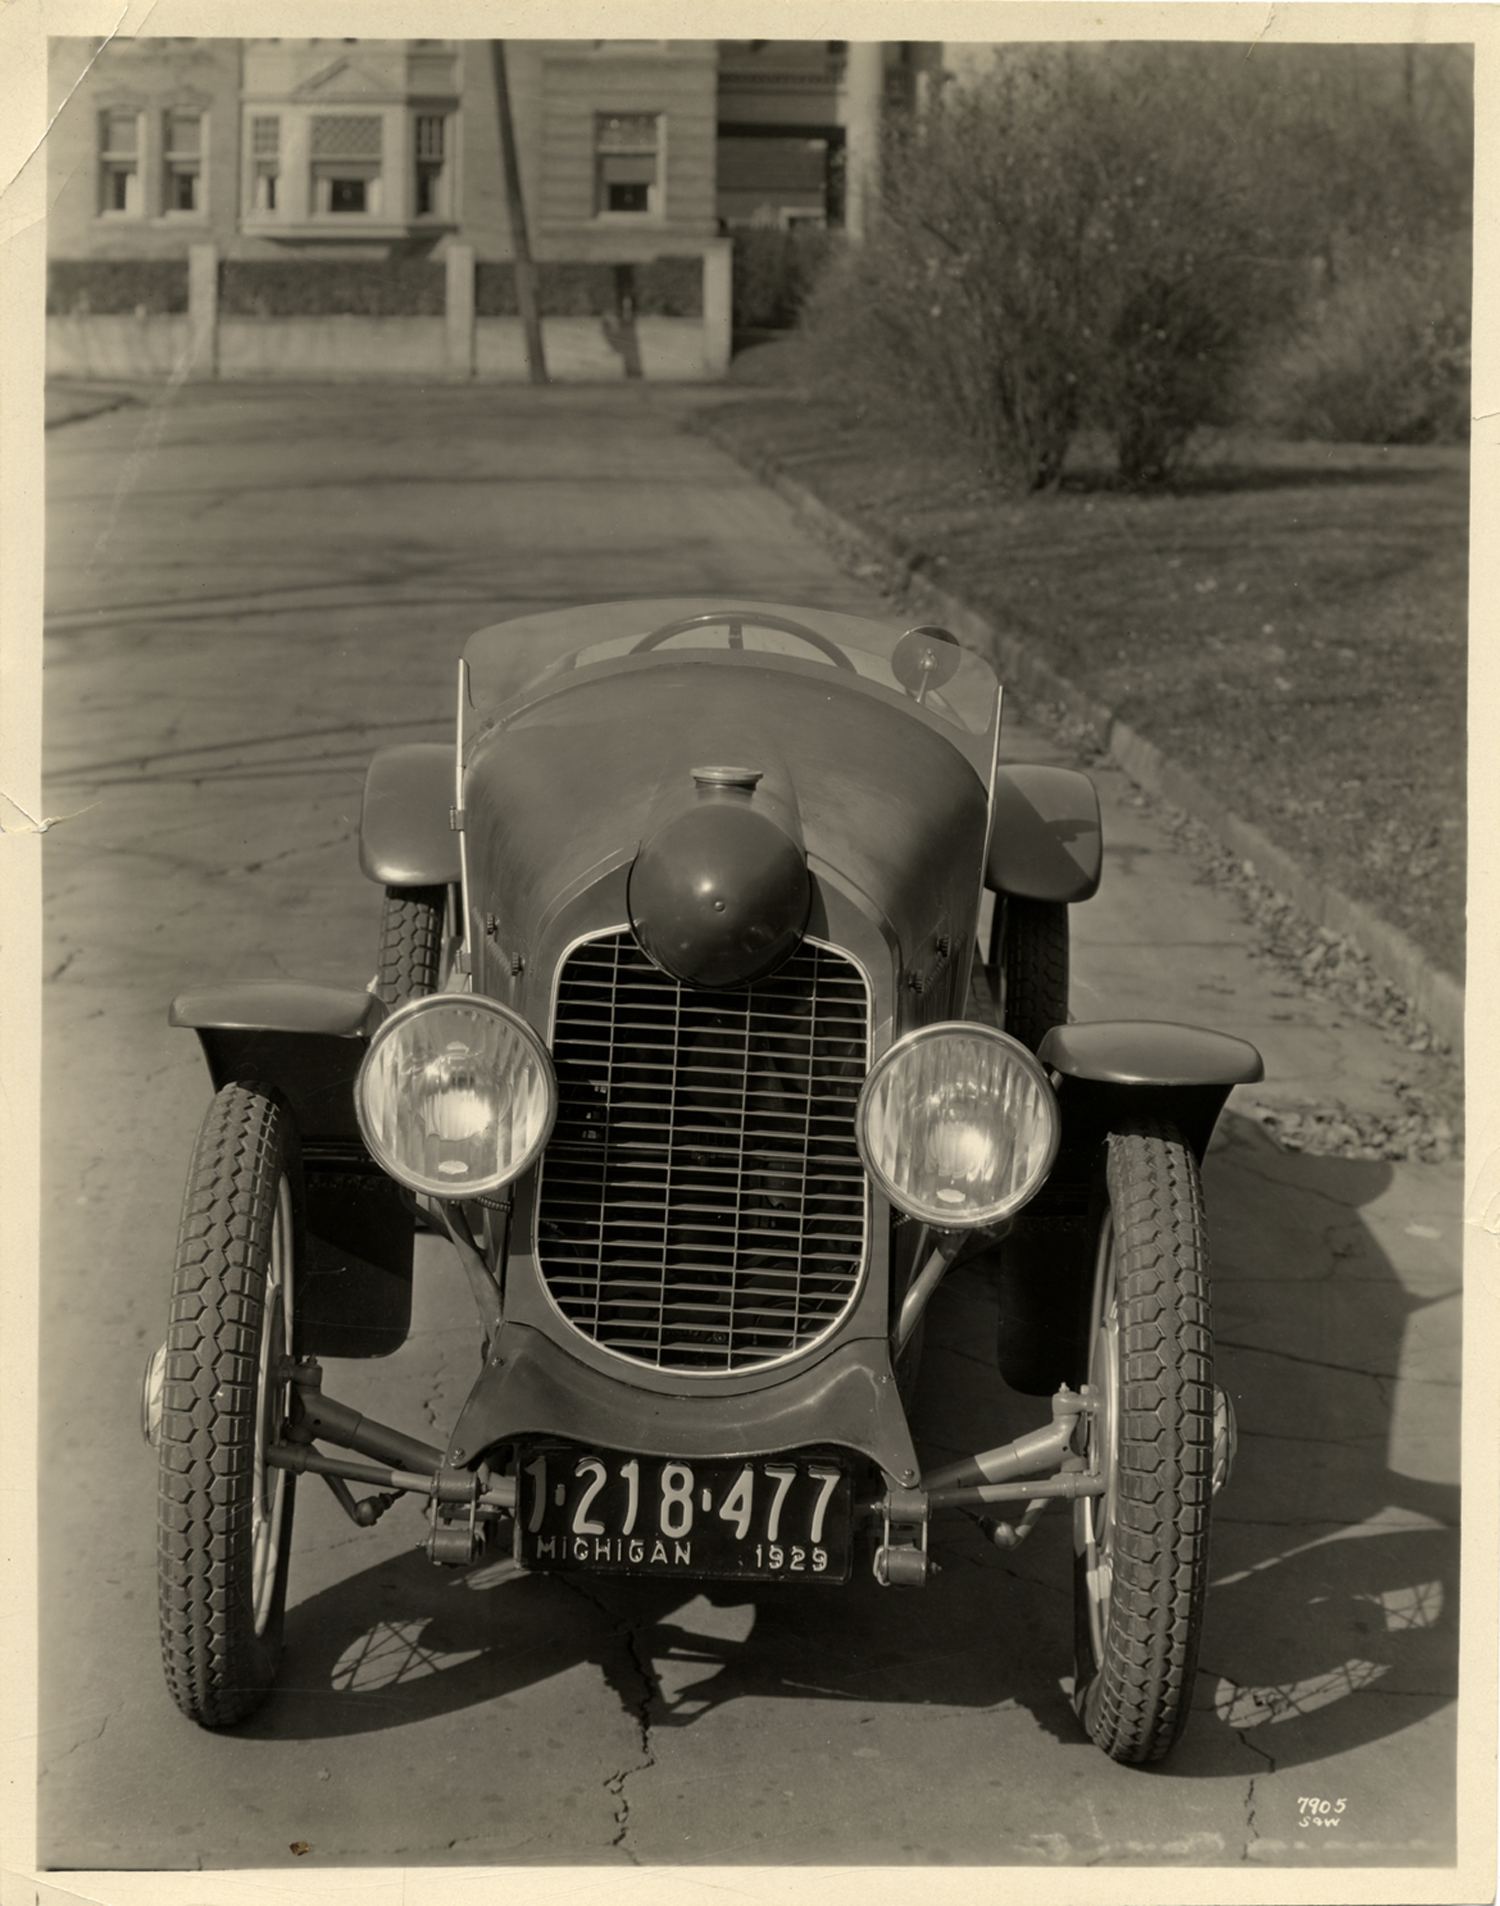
x=1224 y=1518
x=489 y=1841
x=86 y=1740
x=303 y=850
x=1253 y=1165
x=1250 y=1827
x=640 y=1711
x=430 y=1402
x=615 y=1785
x=1315 y=1363
x=1239 y=1734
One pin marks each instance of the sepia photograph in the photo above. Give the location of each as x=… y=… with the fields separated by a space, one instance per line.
x=739 y=836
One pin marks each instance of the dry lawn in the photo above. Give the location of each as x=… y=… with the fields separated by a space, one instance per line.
x=1289 y=621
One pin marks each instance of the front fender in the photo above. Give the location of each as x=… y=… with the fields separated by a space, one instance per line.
x=305 y=1040
x=305 y=1044
x=405 y=839
x=531 y=1387
x=1125 y=1068
x=1046 y=842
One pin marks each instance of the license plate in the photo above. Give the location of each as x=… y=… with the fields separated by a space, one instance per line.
x=765 y=1518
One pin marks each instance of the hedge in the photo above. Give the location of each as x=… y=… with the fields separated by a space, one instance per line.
x=117 y=287
x=370 y=288
x=328 y=287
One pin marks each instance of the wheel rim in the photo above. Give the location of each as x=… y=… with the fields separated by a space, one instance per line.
x=1097 y=1513
x=269 y=1503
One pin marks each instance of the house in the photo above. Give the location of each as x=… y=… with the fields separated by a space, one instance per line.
x=182 y=155
x=265 y=146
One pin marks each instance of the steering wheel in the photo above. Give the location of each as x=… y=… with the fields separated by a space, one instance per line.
x=756 y=620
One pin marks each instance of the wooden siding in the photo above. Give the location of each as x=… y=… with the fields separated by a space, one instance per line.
x=677 y=85
x=202 y=76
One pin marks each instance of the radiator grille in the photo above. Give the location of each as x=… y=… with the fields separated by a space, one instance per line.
x=702 y=1201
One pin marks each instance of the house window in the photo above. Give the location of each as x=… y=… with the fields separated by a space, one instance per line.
x=265 y=160
x=119 y=164
x=627 y=160
x=432 y=192
x=346 y=157
x=182 y=143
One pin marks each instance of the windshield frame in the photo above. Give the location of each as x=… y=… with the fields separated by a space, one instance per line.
x=510 y=660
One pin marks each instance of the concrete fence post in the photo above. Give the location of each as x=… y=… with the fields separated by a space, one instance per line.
x=203 y=311
x=718 y=306
x=458 y=311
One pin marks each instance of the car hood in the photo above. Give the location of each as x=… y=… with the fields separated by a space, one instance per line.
x=564 y=780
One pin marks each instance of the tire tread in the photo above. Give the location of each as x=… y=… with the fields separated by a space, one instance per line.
x=217 y=1669
x=1034 y=963
x=1144 y=1685
x=411 y=943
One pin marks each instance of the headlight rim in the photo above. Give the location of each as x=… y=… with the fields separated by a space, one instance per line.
x=389 y=1027
x=897 y=1051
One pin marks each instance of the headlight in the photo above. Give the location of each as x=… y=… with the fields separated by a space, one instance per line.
x=957 y=1125
x=455 y=1096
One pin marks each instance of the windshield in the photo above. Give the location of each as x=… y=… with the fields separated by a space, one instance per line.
x=949 y=681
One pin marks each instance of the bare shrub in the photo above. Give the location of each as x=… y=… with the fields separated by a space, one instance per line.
x=1383 y=357
x=964 y=301
x=1059 y=244
x=774 y=271
x=1106 y=238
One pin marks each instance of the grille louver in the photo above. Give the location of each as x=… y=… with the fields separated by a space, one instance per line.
x=702 y=1201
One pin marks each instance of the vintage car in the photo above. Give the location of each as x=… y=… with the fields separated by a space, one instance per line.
x=684 y=1036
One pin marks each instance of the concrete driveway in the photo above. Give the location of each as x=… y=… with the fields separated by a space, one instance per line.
x=249 y=590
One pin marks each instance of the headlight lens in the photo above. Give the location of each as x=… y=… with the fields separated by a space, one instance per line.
x=957 y=1125
x=455 y=1096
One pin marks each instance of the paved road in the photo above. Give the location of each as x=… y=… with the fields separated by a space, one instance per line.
x=249 y=590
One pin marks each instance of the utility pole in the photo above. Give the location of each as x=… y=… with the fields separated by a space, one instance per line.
x=864 y=87
x=536 y=361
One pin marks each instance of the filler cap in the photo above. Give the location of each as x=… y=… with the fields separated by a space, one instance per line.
x=720 y=894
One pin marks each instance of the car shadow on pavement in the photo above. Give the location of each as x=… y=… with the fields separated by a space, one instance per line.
x=400 y=1643
x=1332 y=1614
x=1333 y=1609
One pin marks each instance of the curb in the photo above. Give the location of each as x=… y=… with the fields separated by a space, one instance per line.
x=1437 y=997
x=66 y=404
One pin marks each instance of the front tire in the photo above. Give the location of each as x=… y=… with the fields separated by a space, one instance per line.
x=224 y=1516
x=1030 y=947
x=413 y=929
x=1141 y=1549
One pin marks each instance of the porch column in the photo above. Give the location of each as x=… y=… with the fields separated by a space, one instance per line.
x=458 y=311
x=203 y=312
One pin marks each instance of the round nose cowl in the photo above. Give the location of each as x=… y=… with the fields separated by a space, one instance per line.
x=719 y=895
